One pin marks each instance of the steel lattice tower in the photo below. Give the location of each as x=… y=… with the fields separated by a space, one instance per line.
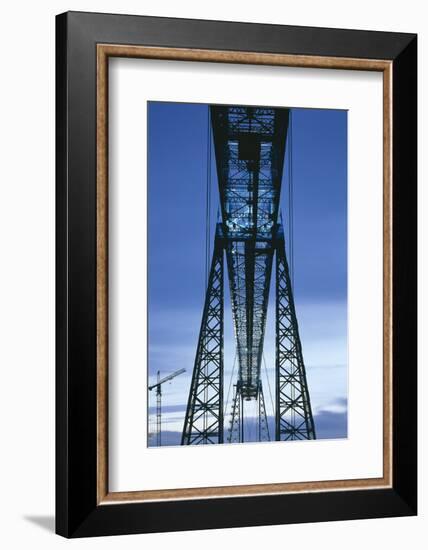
x=249 y=145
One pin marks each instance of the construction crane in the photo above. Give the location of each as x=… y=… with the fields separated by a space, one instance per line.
x=158 y=387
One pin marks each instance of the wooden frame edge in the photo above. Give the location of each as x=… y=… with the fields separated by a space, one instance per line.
x=104 y=51
x=102 y=275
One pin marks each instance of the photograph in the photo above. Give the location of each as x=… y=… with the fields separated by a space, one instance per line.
x=236 y=268
x=247 y=274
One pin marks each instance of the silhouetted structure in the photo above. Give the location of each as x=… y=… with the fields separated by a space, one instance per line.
x=249 y=145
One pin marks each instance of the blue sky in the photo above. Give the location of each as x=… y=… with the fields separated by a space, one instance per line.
x=177 y=175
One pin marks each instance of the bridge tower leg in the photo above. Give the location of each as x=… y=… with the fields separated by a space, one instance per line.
x=293 y=414
x=204 y=414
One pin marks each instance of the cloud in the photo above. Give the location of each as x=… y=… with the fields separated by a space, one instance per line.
x=169 y=409
x=329 y=424
x=169 y=439
x=173 y=342
x=339 y=406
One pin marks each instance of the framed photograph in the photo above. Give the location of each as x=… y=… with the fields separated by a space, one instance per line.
x=236 y=274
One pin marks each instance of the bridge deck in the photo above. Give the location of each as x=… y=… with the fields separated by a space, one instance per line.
x=249 y=147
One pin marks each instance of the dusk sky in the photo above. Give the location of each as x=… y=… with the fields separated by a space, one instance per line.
x=177 y=176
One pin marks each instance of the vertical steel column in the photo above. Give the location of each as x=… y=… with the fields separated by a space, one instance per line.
x=236 y=420
x=263 y=426
x=204 y=415
x=293 y=415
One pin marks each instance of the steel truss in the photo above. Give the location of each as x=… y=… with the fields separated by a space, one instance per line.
x=204 y=415
x=293 y=418
x=263 y=425
x=236 y=421
x=236 y=426
x=249 y=147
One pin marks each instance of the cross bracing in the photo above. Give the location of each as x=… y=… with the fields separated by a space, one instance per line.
x=249 y=144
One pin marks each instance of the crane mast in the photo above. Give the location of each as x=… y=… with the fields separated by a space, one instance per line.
x=158 y=387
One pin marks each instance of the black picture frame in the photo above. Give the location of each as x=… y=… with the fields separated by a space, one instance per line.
x=77 y=511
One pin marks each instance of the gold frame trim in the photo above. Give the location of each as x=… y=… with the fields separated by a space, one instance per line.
x=104 y=51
